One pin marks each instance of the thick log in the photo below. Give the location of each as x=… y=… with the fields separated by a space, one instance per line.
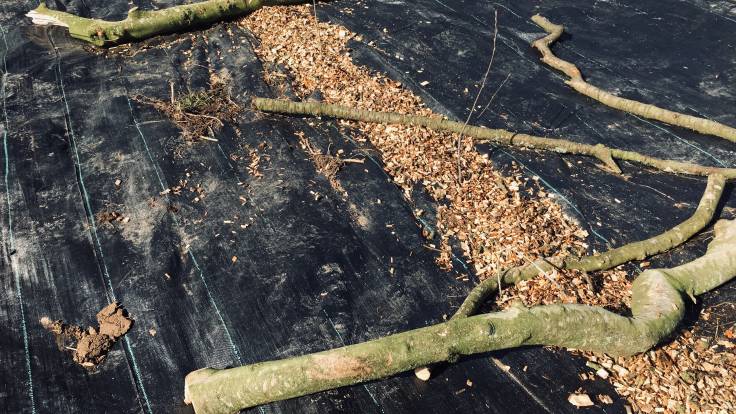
x=657 y=308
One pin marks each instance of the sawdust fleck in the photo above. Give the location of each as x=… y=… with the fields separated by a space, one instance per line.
x=90 y=346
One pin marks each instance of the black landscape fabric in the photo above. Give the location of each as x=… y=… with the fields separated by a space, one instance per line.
x=280 y=265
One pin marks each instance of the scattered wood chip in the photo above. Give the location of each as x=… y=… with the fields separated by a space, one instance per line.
x=605 y=399
x=423 y=373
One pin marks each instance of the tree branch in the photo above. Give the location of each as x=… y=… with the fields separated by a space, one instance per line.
x=500 y=136
x=657 y=308
x=610 y=259
x=140 y=25
x=576 y=81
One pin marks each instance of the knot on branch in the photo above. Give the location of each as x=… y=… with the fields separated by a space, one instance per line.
x=603 y=153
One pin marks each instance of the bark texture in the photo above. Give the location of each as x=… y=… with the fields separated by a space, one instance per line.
x=657 y=308
x=576 y=81
x=640 y=250
x=140 y=25
x=500 y=136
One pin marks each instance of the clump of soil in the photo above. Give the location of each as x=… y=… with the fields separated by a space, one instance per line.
x=90 y=346
x=198 y=114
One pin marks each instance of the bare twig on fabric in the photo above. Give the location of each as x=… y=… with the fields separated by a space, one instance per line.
x=490 y=101
x=477 y=96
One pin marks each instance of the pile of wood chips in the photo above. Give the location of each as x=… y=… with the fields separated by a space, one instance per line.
x=494 y=224
x=498 y=221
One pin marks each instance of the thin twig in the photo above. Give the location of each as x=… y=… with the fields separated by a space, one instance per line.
x=475 y=102
x=204 y=116
x=477 y=117
x=500 y=285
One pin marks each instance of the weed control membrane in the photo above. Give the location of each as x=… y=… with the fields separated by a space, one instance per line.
x=240 y=248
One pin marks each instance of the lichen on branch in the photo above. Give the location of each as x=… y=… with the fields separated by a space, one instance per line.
x=576 y=81
x=142 y=24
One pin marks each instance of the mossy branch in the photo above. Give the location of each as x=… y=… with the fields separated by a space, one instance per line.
x=657 y=308
x=640 y=250
x=500 y=136
x=576 y=81
x=141 y=25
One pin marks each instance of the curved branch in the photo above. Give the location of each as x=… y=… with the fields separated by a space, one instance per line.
x=657 y=308
x=610 y=259
x=500 y=136
x=576 y=81
x=140 y=25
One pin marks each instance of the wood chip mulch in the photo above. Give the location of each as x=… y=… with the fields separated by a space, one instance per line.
x=494 y=223
x=498 y=220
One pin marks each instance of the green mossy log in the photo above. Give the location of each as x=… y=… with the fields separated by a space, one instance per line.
x=500 y=136
x=576 y=81
x=658 y=305
x=141 y=25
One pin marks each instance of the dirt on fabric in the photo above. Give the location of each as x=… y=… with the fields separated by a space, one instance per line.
x=90 y=346
x=498 y=220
